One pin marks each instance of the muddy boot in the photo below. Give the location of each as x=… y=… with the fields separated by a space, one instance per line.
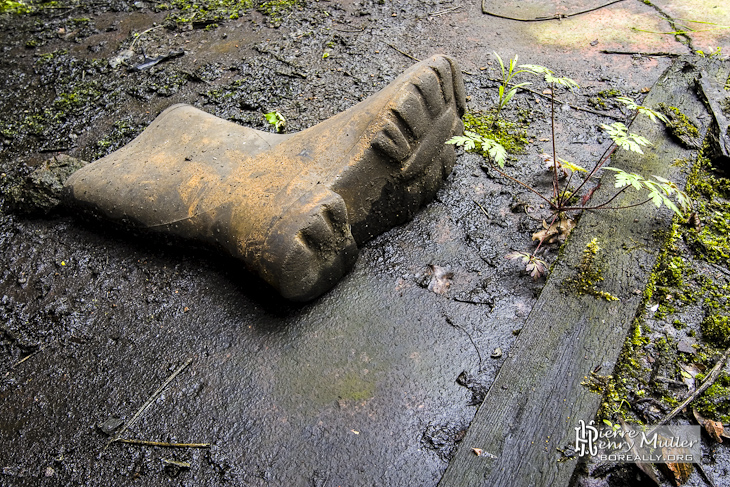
x=293 y=207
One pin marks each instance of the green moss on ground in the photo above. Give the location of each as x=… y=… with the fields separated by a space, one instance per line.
x=510 y=135
x=206 y=13
x=209 y=13
x=714 y=403
x=716 y=328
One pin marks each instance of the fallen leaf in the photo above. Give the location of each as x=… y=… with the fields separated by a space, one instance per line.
x=440 y=279
x=677 y=472
x=556 y=233
x=644 y=467
x=715 y=429
x=536 y=267
x=121 y=58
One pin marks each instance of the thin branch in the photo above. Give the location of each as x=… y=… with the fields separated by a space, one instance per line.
x=529 y=188
x=164 y=444
x=25 y=358
x=482 y=208
x=709 y=380
x=451 y=322
x=638 y=53
x=404 y=53
x=541 y=19
x=556 y=192
x=604 y=207
x=147 y=404
x=606 y=154
x=447 y=11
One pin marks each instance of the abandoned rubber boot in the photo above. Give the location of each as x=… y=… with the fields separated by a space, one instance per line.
x=292 y=207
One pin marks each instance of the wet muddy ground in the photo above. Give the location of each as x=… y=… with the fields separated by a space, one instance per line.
x=357 y=388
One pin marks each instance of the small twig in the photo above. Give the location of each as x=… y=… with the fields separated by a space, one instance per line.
x=574 y=107
x=25 y=358
x=163 y=444
x=709 y=380
x=404 y=53
x=541 y=19
x=451 y=322
x=147 y=404
x=515 y=180
x=470 y=301
x=482 y=208
x=349 y=31
x=134 y=41
x=604 y=207
x=443 y=12
x=636 y=53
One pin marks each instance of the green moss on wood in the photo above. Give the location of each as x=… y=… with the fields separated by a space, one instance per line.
x=590 y=273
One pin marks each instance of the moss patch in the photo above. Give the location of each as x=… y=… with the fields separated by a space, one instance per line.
x=510 y=135
x=714 y=402
x=716 y=328
x=680 y=126
x=590 y=273
x=206 y=13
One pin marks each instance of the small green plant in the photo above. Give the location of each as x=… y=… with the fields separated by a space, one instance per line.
x=717 y=53
x=277 y=120
x=505 y=91
x=566 y=198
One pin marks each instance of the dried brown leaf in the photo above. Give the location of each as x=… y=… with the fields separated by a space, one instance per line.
x=677 y=472
x=440 y=279
x=715 y=429
x=557 y=232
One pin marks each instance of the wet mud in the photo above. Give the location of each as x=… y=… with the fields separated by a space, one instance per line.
x=360 y=387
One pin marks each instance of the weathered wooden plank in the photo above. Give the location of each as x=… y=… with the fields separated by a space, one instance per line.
x=537 y=399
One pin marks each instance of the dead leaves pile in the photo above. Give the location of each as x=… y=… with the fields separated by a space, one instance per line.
x=557 y=232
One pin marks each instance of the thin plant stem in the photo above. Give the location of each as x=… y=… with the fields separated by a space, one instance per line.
x=515 y=180
x=539 y=244
x=606 y=155
x=555 y=154
x=604 y=207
